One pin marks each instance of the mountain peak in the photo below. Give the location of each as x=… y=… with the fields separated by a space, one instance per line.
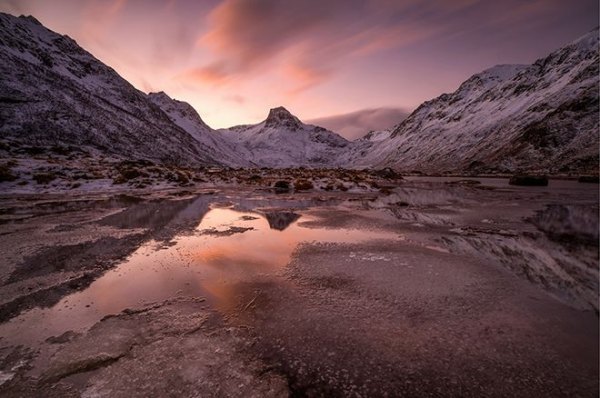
x=160 y=95
x=280 y=110
x=281 y=117
x=180 y=112
x=31 y=19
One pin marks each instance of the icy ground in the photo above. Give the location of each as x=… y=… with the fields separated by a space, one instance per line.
x=435 y=287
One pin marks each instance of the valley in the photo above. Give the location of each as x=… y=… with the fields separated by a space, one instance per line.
x=148 y=254
x=540 y=118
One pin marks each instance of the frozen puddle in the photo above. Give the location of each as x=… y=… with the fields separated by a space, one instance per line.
x=226 y=247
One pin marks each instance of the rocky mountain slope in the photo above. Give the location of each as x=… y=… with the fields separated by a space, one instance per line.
x=185 y=116
x=55 y=94
x=282 y=140
x=539 y=118
x=536 y=118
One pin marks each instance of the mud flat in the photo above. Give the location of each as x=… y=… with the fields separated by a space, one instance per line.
x=431 y=287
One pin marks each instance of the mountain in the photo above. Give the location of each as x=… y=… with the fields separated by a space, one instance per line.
x=282 y=140
x=542 y=117
x=185 y=116
x=537 y=118
x=54 y=93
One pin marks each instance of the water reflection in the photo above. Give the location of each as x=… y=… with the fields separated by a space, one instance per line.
x=226 y=247
x=280 y=220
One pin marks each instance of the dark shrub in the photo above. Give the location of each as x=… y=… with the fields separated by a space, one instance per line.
x=303 y=185
x=131 y=173
x=61 y=150
x=255 y=178
x=342 y=187
x=33 y=150
x=182 y=178
x=282 y=186
x=44 y=178
x=6 y=173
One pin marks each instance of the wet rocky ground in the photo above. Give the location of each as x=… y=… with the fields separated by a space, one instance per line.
x=414 y=287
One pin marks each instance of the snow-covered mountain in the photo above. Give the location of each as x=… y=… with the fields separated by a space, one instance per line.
x=376 y=135
x=282 y=140
x=54 y=93
x=539 y=117
x=185 y=116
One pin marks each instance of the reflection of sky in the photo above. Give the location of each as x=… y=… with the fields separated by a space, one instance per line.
x=235 y=59
x=200 y=265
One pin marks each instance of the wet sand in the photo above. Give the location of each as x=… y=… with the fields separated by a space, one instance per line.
x=438 y=288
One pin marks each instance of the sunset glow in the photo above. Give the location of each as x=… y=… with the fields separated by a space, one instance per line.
x=233 y=60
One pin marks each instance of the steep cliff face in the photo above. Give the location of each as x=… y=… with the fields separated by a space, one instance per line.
x=539 y=117
x=52 y=92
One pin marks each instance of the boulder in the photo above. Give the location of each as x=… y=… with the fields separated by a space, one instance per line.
x=387 y=173
x=303 y=185
x=281 y=186
x=529 y=180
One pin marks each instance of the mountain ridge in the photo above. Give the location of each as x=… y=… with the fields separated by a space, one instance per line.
x=541 y=117
x=187 y=118
x=56 y=93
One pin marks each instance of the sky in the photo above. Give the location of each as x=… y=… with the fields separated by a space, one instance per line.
x=350 y=63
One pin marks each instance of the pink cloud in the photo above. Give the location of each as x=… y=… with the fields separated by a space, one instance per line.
x=307 y=39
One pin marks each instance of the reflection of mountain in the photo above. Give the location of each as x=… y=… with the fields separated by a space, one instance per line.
x=162 y=219
x=280 y=220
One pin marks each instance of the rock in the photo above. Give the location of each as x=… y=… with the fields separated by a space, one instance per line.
x=529 y=180
x=303 y=185
x=282 y=117
x=387 y=173
x=281 y=186
x=569 y=223
x=63 y=338
x=589 y=179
